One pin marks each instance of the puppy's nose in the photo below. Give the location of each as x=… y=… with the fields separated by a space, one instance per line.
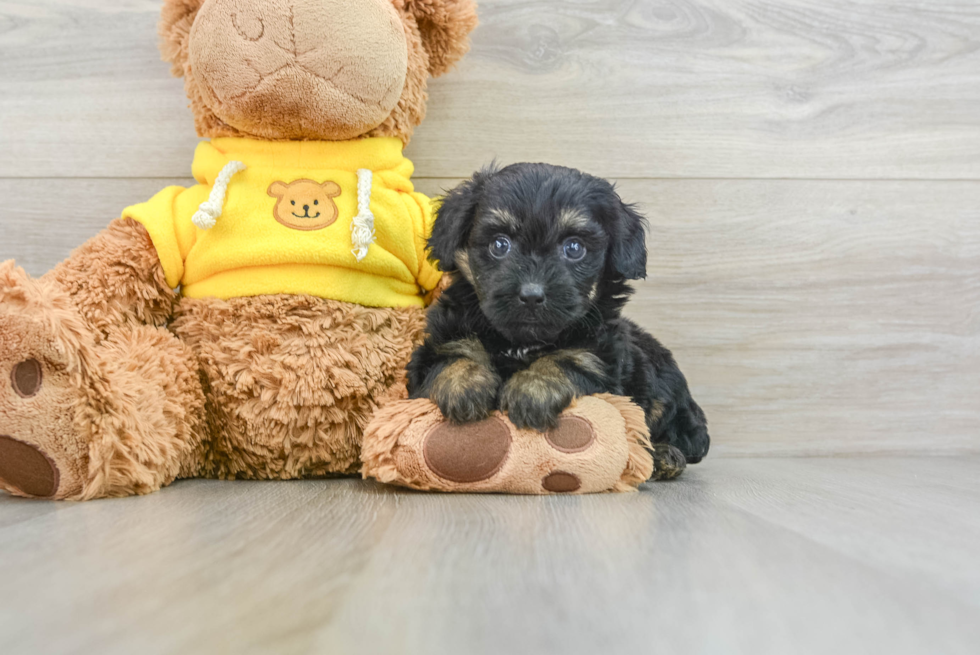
x=532 y=295
x=306 y=208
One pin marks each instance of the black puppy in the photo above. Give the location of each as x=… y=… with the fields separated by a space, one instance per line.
x=539 y=257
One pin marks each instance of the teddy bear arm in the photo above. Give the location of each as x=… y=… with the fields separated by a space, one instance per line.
x=116 y=278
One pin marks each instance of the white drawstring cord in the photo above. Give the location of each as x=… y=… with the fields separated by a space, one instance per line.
x=362 y=227
x=207 y=215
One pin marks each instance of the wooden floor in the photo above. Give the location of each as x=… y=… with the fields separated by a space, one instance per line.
x=759 y=556
x=811 y=172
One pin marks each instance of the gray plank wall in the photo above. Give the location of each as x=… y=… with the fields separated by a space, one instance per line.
x=811 y=170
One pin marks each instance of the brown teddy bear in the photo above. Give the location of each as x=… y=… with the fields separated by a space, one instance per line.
x=299 y=257
x=251 y=325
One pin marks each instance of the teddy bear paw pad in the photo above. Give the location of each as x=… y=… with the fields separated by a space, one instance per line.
x=572 y=435
x=467 y=453
x=27 y=469
x=561 y=482
x=42 y=452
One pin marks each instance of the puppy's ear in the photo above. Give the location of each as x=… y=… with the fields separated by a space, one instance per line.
x=628 y=252
x=176 y=19
x=454 y=220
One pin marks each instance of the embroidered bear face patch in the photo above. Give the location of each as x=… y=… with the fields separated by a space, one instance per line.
x=305 y=204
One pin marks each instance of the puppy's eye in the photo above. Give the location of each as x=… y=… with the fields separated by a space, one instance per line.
x=293 y=201
x=316 y=202
x=500 y=246
x=574 y=250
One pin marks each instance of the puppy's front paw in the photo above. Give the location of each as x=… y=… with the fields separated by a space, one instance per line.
x=535 y=399
x=465 y=391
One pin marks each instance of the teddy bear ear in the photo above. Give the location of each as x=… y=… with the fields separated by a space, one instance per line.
x=332 y=189
x=176 y=20
x=445 y=26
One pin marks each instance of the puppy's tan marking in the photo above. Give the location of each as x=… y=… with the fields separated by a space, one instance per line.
x=466 y=388
x=459 y=378
x=463 y=265
x=537 y=395
x=668 y=462
x=502 y=219
x=544 y=382
x=582 y=359
x=572 y=219
x=469 y=348
x=656 y=411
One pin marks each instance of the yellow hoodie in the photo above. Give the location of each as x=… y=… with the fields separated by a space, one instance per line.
x=338 y=220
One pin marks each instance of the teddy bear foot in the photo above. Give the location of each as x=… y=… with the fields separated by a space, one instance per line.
x=41 y=455
x=85 y=415
x=600 y=444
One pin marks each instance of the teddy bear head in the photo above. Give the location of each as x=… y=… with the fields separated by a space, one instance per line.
x=312 y=69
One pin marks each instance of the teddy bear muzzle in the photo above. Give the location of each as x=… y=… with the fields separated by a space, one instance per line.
x=269 y=67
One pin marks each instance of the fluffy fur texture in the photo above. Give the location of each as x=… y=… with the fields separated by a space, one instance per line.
x=540 y=257
x=293 y=380
x=138 y=386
